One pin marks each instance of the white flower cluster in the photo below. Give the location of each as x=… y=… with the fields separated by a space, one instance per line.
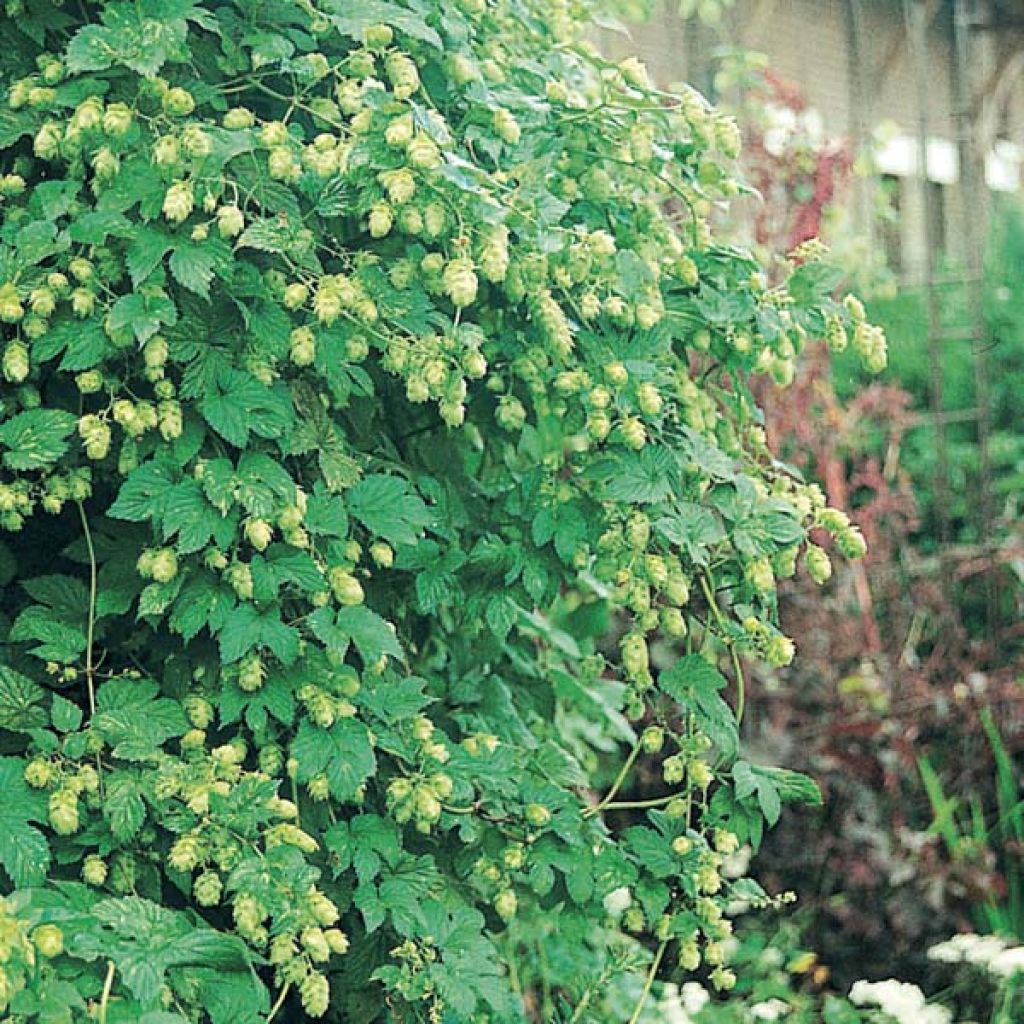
x=904 y=1002
x=770 y=1009
x=989 y=952
x=679 y=1005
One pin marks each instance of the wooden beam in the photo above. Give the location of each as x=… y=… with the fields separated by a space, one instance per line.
x=899 y=46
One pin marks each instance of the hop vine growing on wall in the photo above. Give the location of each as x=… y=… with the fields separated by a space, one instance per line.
x=377 y=466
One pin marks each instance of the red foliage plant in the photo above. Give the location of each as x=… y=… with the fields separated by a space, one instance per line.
x=797 y=173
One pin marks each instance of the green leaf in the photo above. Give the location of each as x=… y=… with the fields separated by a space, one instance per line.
x=14 y=125
x=652 y=850
x=246 y=629
x=187 y=513
x=143 y=493
x=202 y=602
x=193 y=266
x=793 y=787
x=24 y=852
x=134 y=720
x=55 y=199
x=813 y=282
x=263 y=485
x=85 y=341
x=372 y=635
x=706 y=455
x=146 y=252
x=783 y=527
x=123 y=806
x=502 y=614
x=392 y=699
x=36 y=438
x=692 y=527
x=145 y=940
x=88 y=345
x=244 y=405
x=144 y=313
x=750 y=780
x=387 y=507
x=326 y=515
x=127 y=37
x=37 y=241
x=647 y=476
x=559 y=766
x=339 y=469
x=268 y=235
x=21 y=702
x=65 y=595
x=403 y=887
x=274 y=698
x=90 y=50
x=92 y=228
x=694 y=684
x=343 y=753
x=296 y=568
x=353 y=21
x=56 y=640
x=65 y=714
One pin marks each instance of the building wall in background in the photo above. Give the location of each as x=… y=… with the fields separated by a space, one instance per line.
x=853 y=62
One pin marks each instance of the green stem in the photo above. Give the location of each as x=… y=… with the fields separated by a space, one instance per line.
x=741 y=683
x=638 y=805
x=108 y=984
x=459 y=810
x=90 y=669
x=616 y=785
x=279 y=1002
x=649 y=983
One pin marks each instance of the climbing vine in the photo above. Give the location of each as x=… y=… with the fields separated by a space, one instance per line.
x=377 y=467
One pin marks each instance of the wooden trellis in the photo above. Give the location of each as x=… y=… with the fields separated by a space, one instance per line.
x=987 y=53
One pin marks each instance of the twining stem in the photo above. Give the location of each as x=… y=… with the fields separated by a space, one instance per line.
x=279 y=1001
x=616 y=785
x=649 y=983
x=741 y=683
x=90 y=668
x=468 y=809
x=639 y=805
x=108 y=985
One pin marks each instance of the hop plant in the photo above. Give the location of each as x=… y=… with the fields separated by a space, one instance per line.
x=347 y=399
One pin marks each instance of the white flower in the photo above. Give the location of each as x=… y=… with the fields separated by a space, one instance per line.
x=618 y=901
x=671 y=1009
x=694 y=997
x=770 y=1009
x=1008 y=962
x=979 y=950
x=900 y=1000
x=736 y=864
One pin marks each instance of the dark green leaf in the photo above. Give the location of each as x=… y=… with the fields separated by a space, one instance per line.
x=36 y=438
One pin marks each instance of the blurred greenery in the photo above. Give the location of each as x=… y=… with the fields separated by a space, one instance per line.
x=905 y=319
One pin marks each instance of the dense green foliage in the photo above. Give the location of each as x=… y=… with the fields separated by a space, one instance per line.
x=365 y=367
x=905 y=318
